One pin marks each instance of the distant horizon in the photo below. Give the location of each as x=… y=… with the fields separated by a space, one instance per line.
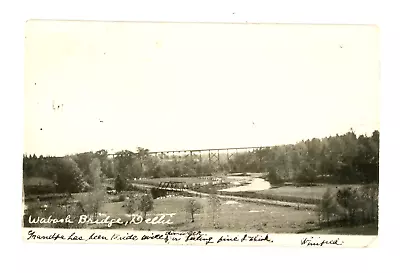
x=111 y=151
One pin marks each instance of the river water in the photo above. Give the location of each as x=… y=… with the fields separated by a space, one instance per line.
x=256 y=184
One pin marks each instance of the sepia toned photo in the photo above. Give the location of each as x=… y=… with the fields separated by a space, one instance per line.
x=201 y=133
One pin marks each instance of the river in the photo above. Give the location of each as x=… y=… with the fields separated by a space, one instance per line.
x=256 y=184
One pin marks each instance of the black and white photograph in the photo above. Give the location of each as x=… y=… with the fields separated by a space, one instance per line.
x=176 y=131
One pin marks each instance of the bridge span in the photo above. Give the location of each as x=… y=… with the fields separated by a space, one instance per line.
x=213 y=155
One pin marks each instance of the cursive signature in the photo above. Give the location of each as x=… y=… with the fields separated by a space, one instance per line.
x=318 y=241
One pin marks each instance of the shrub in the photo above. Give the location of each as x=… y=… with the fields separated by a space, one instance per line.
x=361 y=204
x=307 y=175
x=370 y=195
x=329 y=208
x=353 y=205
x=155 y=192
x=120 y=183
x=273 y=177
x=121 y=197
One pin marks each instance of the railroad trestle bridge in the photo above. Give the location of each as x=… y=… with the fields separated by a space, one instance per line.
x=215 y=156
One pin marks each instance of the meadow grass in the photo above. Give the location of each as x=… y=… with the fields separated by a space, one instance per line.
x=231 y=216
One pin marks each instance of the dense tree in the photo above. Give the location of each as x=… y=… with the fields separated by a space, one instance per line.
x=120 y=183
x=127 y=164
x=107 y=164
x=346 y=158
x=343 y=158
x=69 y=177
x=83 y=160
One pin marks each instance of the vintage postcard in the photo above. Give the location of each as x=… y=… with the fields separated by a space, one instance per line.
x=201 y=134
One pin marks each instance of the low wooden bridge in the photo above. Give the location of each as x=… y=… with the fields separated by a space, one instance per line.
x=173 y=186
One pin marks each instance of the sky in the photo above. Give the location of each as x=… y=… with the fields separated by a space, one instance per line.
x=172 y=86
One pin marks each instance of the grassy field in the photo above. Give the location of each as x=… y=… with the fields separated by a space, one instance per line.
x=304 y=192
x=231 y=216
x=369 y=229
x=306 y=195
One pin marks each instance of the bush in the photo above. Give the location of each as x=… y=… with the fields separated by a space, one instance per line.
x=155 y=193
x=361 y=204
x=121 y=197
x=353 y=205
x=329 y=208
x=307 y=175
x=273 y=177
x=120 y=183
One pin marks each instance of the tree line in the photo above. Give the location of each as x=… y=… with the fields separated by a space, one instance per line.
x=342 y=158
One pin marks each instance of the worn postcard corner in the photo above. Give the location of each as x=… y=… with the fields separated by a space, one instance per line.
x=201 y=134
